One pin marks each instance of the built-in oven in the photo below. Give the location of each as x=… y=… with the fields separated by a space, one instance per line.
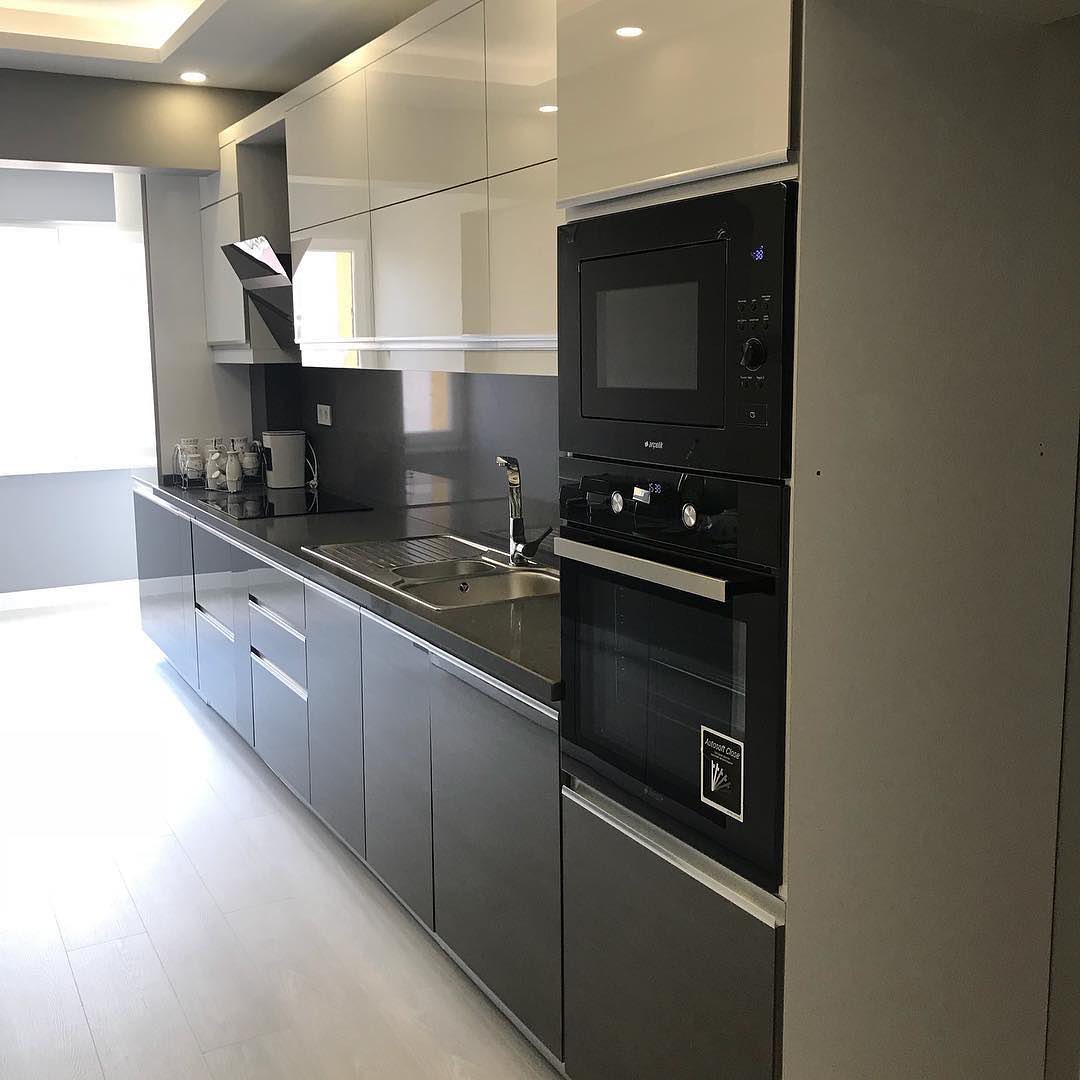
x=673 y=594
x=675 y=331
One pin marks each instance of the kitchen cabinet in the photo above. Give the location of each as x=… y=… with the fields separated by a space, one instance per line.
x=426 y=112
x=520 y=82
x=327 y=151
x=281 y=724
x=332 y=297
x=704 y=90
x=278 y=592
x=495 y=808
x=663 y=961
x=335 y=715
x=523 y=218
x=244 y=564
x=397 y=763
x=213 y=562
x=217 y=659
x=226 y=305
x=167 y=582
x=430 y=265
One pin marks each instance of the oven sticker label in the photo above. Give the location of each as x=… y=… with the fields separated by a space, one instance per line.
x=722 y=773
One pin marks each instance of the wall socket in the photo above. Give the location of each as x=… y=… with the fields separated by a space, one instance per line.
x=324 y=415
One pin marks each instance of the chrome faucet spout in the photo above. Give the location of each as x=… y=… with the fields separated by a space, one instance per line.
x=521 y=553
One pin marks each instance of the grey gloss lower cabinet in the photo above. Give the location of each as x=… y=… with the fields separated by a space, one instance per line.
x=335 y=715
x=397 y=763
x=495 y=811
x=663 y=976
x=217 y=665
x=167 y=582
x=281 y=725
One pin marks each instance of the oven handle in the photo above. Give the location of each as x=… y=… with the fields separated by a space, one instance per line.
x=668 y=577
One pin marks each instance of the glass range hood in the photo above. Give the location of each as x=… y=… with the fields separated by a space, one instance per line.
x=266 y=277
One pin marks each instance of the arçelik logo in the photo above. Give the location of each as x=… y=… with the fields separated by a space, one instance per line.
x=653 y=445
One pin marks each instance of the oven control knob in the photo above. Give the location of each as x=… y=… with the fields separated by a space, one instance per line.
x=754 y=353
x=690 y=516
x=617 y=502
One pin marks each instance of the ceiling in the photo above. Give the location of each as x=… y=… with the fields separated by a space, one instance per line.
x=248 y=44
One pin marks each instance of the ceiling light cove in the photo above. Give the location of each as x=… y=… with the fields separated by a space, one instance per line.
x=193 y=77
x=549 y=108
x=629 y=31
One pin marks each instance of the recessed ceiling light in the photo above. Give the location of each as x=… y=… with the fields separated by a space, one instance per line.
x=629 y=31
x=549 y=108
x=193 y=76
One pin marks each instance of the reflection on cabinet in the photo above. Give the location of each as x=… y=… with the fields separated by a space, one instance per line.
x=430 y=265
x=397 y=763
x=658 y=966
x=335 y=715
x=226 y=306
x=426 y=112
x=167 y=582
x=326 y=144
x=706 y=89
x=522 y=224
x=495 y=808
x=520 y=81
x=332 y=299
x=281 y=724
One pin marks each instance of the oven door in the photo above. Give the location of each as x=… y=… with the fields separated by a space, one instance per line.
x=652 y=336
x=673 y=694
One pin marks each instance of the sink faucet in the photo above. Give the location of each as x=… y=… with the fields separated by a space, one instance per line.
x=521 y=553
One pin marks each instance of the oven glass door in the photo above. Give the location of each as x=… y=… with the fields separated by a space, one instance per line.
x=678 y=699
x=653 y=336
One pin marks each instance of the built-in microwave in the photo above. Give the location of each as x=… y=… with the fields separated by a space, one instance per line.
x=675 y=333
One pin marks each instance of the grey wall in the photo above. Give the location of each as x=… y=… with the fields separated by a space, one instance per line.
x=66 y=529
x=935 y=442
x=79 y=119
x=192 y=394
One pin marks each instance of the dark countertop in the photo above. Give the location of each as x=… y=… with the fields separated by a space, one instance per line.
x=516 y=642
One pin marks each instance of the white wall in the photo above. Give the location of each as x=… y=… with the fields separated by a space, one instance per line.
x=193 y=395
x=55 y=195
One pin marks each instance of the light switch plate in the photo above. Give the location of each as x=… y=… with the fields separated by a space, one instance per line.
x=324 y=415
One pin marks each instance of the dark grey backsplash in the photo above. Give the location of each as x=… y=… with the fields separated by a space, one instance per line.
x=422 y=438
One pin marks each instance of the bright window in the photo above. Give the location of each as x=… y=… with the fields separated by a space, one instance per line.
x=76 y=389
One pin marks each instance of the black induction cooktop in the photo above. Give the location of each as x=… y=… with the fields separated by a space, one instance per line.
x=278 y=502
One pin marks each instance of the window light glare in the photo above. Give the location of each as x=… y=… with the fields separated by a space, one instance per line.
x=629 y=31
x=193 y=77
x=549 y=108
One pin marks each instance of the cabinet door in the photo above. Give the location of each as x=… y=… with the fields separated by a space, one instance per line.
x=397 y=763
x=335 y=715
x=217 y=672
x=495 y=812
x=244 y=566
x=705 y=89
x=281 y=727
x=332 y=298
x=167 y=582
x=430 y=259
x=660 y=966
x=213 y=557
x=226 y=308
x=523 y=218
x=426 y=112
x=326 y=144
x=521 y=97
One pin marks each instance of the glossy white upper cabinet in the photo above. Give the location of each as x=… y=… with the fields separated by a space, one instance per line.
x=326 y=143
x=520 y=83
x=332 y=299
x=704 y=89
x=426 y=112
x=430 y=265
x=226 y=305
x=522 y=223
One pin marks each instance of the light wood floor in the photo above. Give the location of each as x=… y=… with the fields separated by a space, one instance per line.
x=168 y=910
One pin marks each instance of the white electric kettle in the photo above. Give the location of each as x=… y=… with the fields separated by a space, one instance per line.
x=285 y=455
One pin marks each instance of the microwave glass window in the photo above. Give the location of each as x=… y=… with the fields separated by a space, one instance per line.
x=647 y=337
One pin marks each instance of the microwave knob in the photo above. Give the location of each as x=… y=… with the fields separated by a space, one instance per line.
x=617 y=502
x=754 y=354
x=690 y=516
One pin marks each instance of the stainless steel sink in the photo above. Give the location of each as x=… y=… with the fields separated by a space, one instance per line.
x=493 y=588
x=447 y=568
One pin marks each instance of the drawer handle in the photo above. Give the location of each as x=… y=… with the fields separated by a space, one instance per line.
x=278 y=620
x=277 y=673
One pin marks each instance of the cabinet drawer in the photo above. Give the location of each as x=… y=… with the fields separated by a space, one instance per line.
x=276 y=641
x=217 y=670
x=213 y=574
x=280 y=592
x=281 y=725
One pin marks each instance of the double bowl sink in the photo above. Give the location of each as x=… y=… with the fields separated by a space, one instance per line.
x=440 y=572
